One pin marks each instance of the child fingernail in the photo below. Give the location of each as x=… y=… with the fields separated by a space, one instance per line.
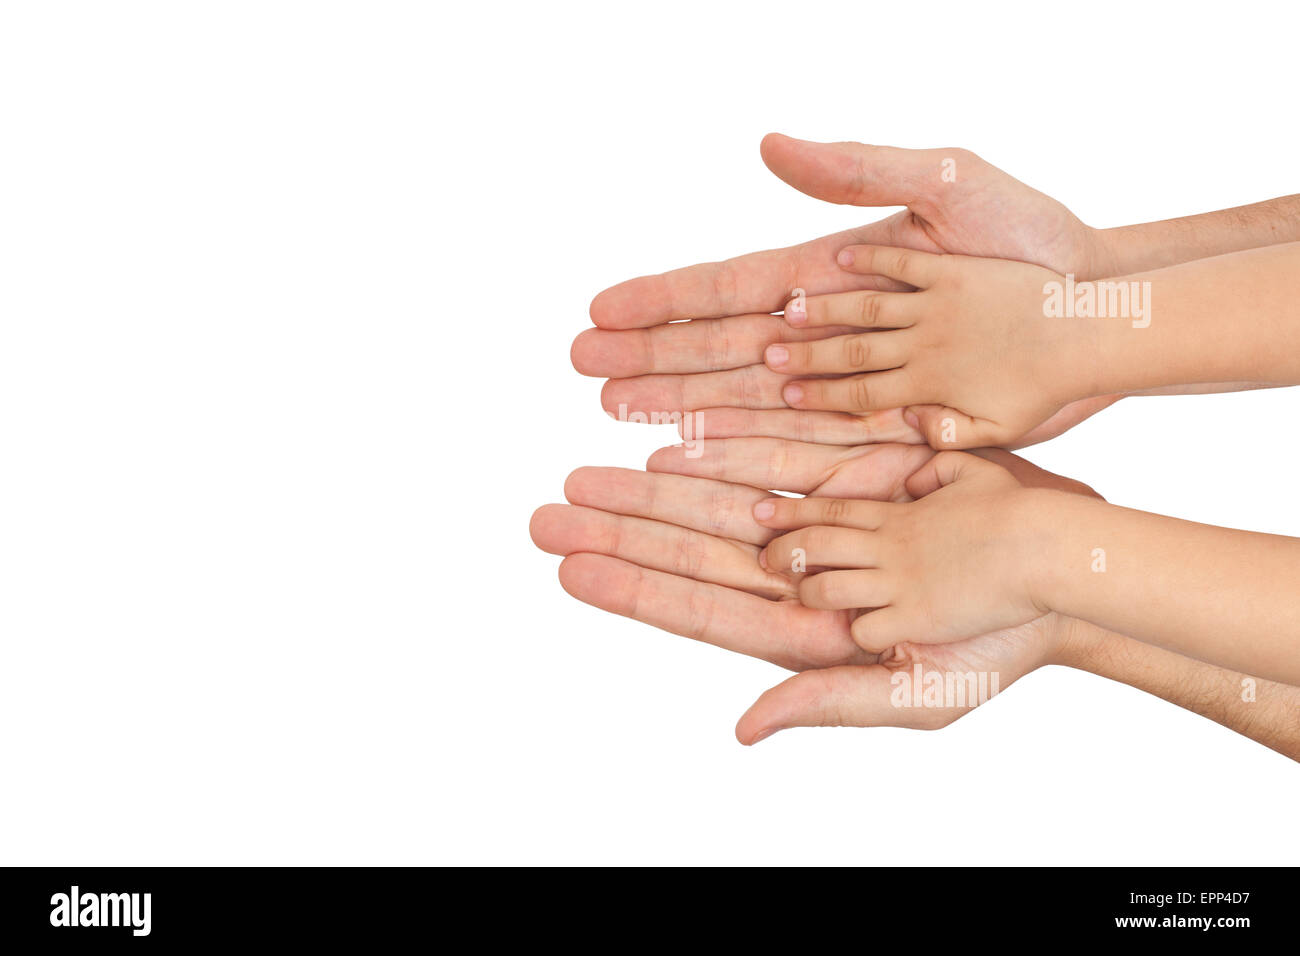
x=764 y=510
x=796 y=313
x=846 y=257
x=792 y=394
x=762 y=559
x=777 y=355
x=912 y=419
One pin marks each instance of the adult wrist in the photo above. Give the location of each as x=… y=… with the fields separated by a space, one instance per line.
x=1105 y=254
x=1080 y=644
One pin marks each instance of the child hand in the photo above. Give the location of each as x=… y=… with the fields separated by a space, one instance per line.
x=971 y=352
x=954 y=564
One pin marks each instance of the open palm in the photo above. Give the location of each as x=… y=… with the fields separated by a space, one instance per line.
x=676 y=546
x=714 y=363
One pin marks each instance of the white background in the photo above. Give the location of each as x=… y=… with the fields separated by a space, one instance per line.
x=286 y=298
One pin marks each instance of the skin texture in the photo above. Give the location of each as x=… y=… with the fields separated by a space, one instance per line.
x=1156 y=245
x=969 y=353
x=979 y=551
x=714 y=363
x=910 y=569
x=978 y=362
x=677 y=546
x=696 y=574
x=1262 y=710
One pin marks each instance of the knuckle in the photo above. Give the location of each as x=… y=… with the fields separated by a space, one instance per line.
x=778 y=461
x=865 y=173
x=699 y=614
x=869 y=310
x=837 y=510
x=805 y=427
x=722 y=505
x=717 y=343
x=856 y=351
x=688 y=555
x=860 y=395
x=750 y=386
x=902 y=262
x=725 y=282
x=866 y=259
x=824 y=700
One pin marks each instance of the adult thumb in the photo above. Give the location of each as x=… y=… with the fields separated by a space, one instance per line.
x=856 y=174
x=844 y=696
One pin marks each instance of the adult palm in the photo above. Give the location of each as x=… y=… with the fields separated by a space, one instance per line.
x=676 y=546
x=955 y=203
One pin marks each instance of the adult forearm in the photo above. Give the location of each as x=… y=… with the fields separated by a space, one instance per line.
x=1263 y=710
x=1155 y=245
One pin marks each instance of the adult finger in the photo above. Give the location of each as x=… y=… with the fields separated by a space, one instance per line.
x=783 y=632
x=836 y=697
x=822 y=428
x=760 y=462
x=719 y=508
x=654 y=398
x=571 y=529
x=758 y=282
x=856 y=173
x=702 y=345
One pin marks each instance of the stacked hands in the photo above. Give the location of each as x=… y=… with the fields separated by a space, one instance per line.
x=910 y=354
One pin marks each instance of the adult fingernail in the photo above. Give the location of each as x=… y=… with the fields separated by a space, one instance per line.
x=793 y=394
x=796 y=313
x=764 y=510
x=776 y=355
x=846 y=257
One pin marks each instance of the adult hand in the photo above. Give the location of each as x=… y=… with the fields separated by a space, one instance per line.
x=715 y=362
x=677 y=547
